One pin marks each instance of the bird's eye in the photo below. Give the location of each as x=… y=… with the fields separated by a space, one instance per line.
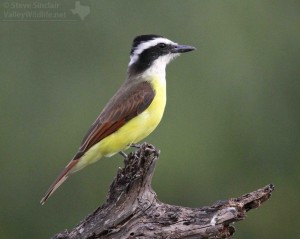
x=162 y=45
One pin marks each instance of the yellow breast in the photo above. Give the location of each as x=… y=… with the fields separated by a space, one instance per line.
x=150 y=118
x=133 y=131
x=140 y=126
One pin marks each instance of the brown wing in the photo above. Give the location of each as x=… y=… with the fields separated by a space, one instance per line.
x=127 y=103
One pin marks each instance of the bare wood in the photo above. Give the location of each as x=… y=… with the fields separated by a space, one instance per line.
x=132 y=209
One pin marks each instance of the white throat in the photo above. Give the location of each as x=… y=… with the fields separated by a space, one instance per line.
x=158 y=67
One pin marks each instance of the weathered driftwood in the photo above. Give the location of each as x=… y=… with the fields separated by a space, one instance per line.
x=132 y=209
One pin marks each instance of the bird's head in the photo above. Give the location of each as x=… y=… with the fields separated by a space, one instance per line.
x=153 y=52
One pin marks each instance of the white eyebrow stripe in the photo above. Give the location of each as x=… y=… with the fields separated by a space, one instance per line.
x=140 y=48
x=145 y=45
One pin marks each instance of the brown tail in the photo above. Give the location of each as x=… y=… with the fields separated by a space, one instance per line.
x=59 y=180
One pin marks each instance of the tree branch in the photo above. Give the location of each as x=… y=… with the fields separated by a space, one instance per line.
x=132 y=209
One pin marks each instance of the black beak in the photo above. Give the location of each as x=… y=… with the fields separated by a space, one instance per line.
x=182 y=49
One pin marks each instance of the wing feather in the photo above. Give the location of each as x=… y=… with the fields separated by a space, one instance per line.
x=125 y=105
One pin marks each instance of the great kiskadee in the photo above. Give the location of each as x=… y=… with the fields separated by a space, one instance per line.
x=134 y=111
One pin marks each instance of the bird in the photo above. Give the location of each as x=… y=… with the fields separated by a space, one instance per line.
x=134 y=111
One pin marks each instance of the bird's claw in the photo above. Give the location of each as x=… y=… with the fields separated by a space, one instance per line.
x=123 y=154
x=135 y=145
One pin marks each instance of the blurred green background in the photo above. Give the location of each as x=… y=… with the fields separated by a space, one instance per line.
x=231 y=125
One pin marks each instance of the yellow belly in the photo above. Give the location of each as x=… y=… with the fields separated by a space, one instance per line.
x=133 y=131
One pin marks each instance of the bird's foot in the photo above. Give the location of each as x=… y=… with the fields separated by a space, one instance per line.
x=123 y=154
x=135 y=145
